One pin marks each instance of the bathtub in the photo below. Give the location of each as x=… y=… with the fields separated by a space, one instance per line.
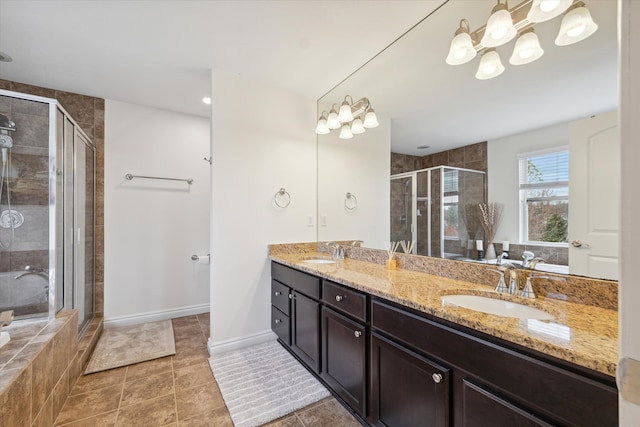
x=27 y=296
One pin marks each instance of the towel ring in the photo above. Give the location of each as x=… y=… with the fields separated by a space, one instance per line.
x=284 y=196
x=350 y=202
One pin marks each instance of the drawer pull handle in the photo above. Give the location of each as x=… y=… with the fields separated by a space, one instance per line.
x=340 y=297
x=357 y=334
x=278 y=321
x=436 y=378
x=278 y=293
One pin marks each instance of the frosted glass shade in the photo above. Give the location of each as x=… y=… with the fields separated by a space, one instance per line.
x=371 y=120
x=332 y=120
x=544 y=10
x=357 y=127
x=527 y=49
x=322 y=128
x=345 y=132
x=500 y=28
x=461 y=50
x=345 y=115
x=576 y=26
x=490 y=65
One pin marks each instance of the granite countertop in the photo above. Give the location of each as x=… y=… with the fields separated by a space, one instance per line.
x=581 y=334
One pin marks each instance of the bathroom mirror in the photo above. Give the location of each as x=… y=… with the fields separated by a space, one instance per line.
x=420 y=100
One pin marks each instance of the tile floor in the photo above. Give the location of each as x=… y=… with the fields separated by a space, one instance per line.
x=176 y=391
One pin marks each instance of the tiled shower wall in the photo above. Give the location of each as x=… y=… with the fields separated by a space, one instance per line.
x=88 y=112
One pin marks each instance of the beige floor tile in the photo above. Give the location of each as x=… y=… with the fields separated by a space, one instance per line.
x=102 y=420
x=193 y=375
x=151 y=367
x=330 y=413
x=146 y=388
x=196 y=400
x=90 y=404
x=155 y=412
x=288 y=421
x=99 y=380
x=182 y=360
x=216 y=418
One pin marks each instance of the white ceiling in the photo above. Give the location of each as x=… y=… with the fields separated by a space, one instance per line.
x=160 y=53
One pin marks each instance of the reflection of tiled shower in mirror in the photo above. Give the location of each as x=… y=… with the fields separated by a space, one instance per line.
x=436 y=208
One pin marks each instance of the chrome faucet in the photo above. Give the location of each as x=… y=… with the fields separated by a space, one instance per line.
x=507 y=268
x=29 y=270
x=527 y=292
x=527 y=256
x=337 y=251
x=357 y=243
x=501 y=257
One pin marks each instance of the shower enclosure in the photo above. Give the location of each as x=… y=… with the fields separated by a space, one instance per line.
x=47 y=169
x=436 y=208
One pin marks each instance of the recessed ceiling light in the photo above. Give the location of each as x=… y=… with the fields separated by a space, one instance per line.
x=423 y=147
x=4 y=57
x=206 y=100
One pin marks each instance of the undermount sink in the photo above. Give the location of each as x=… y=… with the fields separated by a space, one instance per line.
x=496 y=306
x=319 y=261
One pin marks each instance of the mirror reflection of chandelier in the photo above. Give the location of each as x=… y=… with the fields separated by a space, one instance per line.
x=503 y=26
x=352 y=118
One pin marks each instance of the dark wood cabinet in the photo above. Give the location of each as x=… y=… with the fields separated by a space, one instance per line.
x=398 y=367
x=407 y=389
x=305 y=329
x=344 y=360
x=483 y=408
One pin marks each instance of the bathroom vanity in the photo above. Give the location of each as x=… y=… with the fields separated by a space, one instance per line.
x=384 y=343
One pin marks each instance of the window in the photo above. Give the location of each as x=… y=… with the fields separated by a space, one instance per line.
x=544 y=196
x=450 y=204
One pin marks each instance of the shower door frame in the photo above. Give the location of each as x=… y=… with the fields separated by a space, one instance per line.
x=53 y=175
x=414 y=204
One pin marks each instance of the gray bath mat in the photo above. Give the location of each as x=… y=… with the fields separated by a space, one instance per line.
x=263 y=382
x=132 y=344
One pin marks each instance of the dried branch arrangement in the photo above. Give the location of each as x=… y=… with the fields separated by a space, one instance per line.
x=490 y=217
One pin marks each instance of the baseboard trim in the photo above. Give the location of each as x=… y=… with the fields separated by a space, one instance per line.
x=154 y=316
x=238 y=343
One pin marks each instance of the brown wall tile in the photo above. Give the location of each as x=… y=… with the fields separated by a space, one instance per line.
x=42 y=382
x=16 y=401
x=60 y=393
x=45 y=417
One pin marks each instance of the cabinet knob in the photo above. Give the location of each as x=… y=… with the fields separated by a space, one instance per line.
x=278 y=293
x=357 y=334
x=290 y=296
x=436 y=378
x=339 y=297
x=280 y=321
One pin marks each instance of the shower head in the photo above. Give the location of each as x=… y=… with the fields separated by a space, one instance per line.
x=6 y=124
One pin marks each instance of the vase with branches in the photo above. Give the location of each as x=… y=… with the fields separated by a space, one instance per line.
x=490 y=217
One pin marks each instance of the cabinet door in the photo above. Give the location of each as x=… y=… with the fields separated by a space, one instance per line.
x=344 y=367
x=482 y=408
x=305 y=330
x=407 y=390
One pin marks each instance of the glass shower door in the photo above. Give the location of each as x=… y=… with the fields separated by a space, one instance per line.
x=403 y=208
x=84 y=229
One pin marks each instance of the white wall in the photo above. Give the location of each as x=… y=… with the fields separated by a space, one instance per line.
x=503 y=179
x=262 y=140
x=360 y=166
x=629 y=294
x=153 y=227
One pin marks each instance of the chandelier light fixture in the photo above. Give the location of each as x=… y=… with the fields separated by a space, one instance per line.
x=505 y=24
x=352 y=118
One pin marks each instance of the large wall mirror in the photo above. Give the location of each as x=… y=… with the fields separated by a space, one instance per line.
x=540 y=140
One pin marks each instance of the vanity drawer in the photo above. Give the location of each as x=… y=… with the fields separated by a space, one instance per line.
x=281 y=325
x=301 y=282
x=280 y=297
x=345 y=299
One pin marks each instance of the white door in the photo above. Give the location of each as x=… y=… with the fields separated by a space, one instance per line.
x=594 y=196
x=629 y=298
